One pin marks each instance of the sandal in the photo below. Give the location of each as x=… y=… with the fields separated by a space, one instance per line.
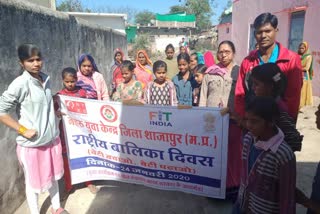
x=59 y=211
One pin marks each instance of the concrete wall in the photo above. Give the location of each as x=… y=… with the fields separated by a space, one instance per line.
x=113 y=21
x=61 y=38
x=245 y=11
x=224 y=32
x=45 y=3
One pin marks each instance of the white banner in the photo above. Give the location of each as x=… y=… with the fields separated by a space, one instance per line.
x=160 y=147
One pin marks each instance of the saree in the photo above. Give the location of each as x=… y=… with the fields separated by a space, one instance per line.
x=143 y=73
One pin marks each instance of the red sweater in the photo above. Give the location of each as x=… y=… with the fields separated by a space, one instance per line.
x=290 y=64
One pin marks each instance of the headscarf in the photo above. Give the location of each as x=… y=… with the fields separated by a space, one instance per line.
x=90 y=58
x=200 y=58
x=208 y=58
x=143 y=73
x=116 y=70
x=304 y=58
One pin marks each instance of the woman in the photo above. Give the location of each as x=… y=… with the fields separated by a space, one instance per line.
x=39 y=146
x=143 y=70
x=306 y=62
x=195 y=59
x=217 y=90
x=115 y=69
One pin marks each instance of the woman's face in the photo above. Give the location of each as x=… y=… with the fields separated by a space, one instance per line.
x=225 y=54
x=118 y=57
x=170 y=53
x=183 y=66
x=86 y=68
x=142 y=59
x=193 y=62
x=302 y=49
x=32 y=65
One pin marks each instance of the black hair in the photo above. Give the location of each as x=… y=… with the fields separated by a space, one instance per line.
x=265 y=18
x=200 y=68
x=194 y=54
x=227 y=42
x=270 y=73
x=264 y=107
x=128 y=64
x=170 y=46
x=184 y=56
x=159 y=64
x=69 y=70
x=25 y=51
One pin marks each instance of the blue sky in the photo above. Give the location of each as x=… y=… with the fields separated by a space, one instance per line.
x=156 y=6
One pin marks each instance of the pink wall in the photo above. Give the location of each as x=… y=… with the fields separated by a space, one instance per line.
x=245 y=11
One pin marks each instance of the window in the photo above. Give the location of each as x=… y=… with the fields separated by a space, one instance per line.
x=296 y=30
x=227 y=30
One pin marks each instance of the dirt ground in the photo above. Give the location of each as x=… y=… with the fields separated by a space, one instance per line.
x=121 y=198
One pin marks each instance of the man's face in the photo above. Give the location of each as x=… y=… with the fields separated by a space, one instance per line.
x=265 y=36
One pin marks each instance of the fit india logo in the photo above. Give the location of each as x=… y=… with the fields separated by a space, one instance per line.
x=160 y=118
x=108 y=113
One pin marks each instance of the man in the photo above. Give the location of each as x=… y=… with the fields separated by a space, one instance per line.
x=269 y=51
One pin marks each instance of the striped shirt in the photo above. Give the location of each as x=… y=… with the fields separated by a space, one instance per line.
x=269 y=187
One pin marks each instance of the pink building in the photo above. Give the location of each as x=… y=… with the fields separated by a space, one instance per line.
x=297 y=22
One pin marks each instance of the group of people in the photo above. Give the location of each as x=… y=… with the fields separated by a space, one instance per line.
x=262 y=96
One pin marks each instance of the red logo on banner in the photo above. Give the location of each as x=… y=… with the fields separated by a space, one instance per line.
x=109 y=113
x=75 y=106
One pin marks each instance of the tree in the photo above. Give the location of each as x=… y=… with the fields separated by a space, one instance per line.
x=144 y=17
x=177 y=9
x=71 y=6
x=200 y=8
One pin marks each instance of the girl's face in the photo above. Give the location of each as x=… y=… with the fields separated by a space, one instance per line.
x=161 y=74
x=126 y=74
x=69 y=82
x=86 y=68
x=261 y=89
x=302 y=49
x=32 y=65
x=193 y=62
x=169 y=53
x=182 y=49
x=118 y=57
x=256 y=125
x=198 y=77
x=183 y=66
x=142 y=59
x=225 y=54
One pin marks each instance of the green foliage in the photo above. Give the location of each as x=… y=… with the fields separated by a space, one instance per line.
x=144 y=17
x=177 y=9
x=200 y=8
x=142 y=41
x=72 y=6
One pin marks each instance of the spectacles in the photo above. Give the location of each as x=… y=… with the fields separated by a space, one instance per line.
x=224 y=53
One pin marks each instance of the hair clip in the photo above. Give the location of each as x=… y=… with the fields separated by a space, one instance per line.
x=276 y=77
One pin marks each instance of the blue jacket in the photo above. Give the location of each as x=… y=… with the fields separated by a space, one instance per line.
x=184 y=88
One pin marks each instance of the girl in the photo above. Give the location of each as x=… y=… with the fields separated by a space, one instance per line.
x=161 y=91
x=93 y=82
x=198 y=76
x=268 y=174
x=217 y=90
x=143 y=70
x=69 y=78
x=269 y=81
x=130 y=89
x=90 y=79
x=306 y=62
x=39 y=146
x=195 y=59
x=184 y=81
x=115 y=69
x=171 y=62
